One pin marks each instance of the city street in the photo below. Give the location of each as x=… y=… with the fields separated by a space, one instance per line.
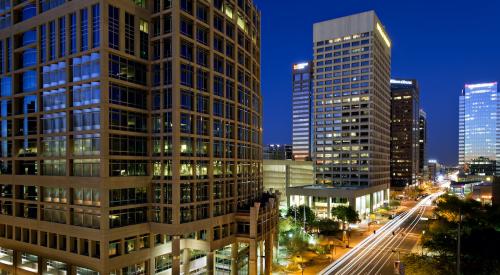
x=377 y=253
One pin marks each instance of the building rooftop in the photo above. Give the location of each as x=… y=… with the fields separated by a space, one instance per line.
x=319 y=190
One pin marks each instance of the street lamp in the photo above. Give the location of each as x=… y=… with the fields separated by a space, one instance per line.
x=397 y=264
x=396 y=251
x=423 y=233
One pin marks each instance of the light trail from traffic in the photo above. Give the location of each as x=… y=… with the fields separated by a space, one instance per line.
x=369 y=253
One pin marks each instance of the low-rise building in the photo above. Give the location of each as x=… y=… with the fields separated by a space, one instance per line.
x=322 y=198
x=483 y=193
x=282 y=174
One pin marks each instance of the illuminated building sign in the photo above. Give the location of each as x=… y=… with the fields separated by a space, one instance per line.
x=401 y=82
x=481 y=85
x=300 y=66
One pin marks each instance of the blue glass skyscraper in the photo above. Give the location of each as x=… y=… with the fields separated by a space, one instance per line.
x=478 y=124
x=301 y=111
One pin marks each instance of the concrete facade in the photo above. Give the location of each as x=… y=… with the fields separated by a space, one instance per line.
x=322 y=199
x=279 y=175
x=352 y=105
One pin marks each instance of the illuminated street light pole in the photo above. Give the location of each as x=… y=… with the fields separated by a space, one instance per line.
x=423 y=233
x=304 y=213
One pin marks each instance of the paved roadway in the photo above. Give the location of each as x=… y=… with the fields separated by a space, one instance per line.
x=374 y=255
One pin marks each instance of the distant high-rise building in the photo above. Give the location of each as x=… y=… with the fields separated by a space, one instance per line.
x=434 y=168
x=478 y=129
x=302 y=110
x=422 y=141
x=351 y=121
x=277 y=151
x=404 y=132
x=131 y=138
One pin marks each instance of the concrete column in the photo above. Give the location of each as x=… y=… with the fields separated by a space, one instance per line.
x=186 y=255
x=287 y=185
x=252 y=258
x=329 y=214
x=41 y=265
x=260 y=256
x=234 y=258
x=151 y=264
x=176 y=250
x=352 y=202
x=71 y=269
x=269 y=252
x=372 y=204
x=210 y=263
x=276 y=243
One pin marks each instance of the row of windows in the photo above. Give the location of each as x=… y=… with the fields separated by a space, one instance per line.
x=129 y=33
x=58 y=30
x=343 y=45
x=347 y=58
x=339 y=40
x=345 y=79
x=187 y=170
x=80 y=195
x=345 y=66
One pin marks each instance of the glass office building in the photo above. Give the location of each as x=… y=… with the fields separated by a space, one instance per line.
x=478 y=129
x=131 y=138
x=302 y=110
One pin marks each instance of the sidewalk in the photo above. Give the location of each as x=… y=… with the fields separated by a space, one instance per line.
x=318 y=263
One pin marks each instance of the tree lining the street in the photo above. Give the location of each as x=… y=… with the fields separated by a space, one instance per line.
x=480 y=239
x=296 y=213
x=346 y=214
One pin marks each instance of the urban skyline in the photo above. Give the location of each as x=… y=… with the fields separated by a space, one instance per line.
x=440 y=84
x=136 y=139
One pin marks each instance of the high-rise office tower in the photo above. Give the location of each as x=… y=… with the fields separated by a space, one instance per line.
x=131 y=138
x=422 y=141
x=352 y=97
x=405 y=133
x=302 y=110
x=478 y=123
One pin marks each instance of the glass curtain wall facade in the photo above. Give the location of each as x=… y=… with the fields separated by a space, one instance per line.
x=478 y=124
x=131 y=138
x=302 y=110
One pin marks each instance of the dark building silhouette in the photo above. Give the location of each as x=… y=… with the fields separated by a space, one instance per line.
x=405 y=134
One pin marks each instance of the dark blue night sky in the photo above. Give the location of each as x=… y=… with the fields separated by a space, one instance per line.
x=441 y=43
